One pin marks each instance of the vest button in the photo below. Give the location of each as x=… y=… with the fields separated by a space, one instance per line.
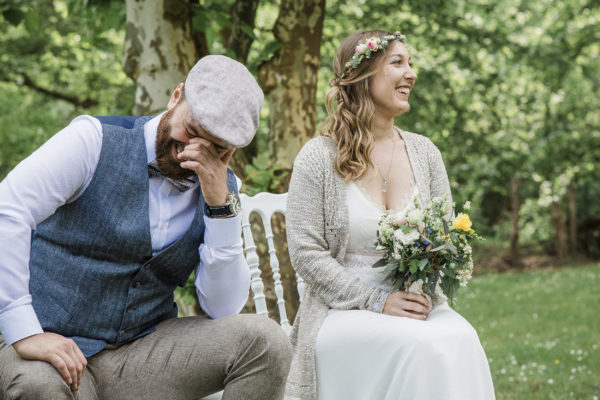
x=121 y=333
x=130 y=309
x=137 y=284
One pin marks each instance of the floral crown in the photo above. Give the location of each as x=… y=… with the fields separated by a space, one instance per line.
x=366 y=49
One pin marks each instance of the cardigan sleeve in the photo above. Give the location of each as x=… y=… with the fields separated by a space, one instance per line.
x=439 y=184
x=307 y=219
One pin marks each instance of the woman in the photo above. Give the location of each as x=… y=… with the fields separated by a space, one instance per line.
x=354 y=337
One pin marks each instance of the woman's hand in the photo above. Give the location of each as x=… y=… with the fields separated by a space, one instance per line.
x=403 y=304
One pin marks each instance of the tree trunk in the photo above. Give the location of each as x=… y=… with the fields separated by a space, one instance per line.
x=243 y=13
x=561 y=230
x=289 y=78
x=159 y=50
x=514 y=237
x=572 y=218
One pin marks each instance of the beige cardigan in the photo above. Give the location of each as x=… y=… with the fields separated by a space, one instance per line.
x=317 y=235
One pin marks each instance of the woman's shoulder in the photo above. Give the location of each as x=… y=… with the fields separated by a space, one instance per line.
x=320 y=144
x=317 y=151
x=419 y=142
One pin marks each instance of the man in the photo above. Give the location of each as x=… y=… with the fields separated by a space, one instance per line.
x=98 y=227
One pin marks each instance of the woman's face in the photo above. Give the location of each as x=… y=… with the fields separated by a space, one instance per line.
x=391 y=85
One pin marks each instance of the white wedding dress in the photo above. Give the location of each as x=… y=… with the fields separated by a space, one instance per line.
x=363 y=355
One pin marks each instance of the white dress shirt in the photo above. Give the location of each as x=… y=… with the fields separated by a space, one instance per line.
x=58 y=173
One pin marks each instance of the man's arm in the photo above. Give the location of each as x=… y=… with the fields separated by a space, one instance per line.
x=53 y=175
x=223 y=276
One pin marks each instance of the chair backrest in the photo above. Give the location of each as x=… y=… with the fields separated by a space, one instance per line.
x=265 y=205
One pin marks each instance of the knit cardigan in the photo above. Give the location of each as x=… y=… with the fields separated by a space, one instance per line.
x=317 y=234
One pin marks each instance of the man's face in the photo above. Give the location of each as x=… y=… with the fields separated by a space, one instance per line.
x=175 y=129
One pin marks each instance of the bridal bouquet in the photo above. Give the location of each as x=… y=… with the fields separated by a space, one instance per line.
x=423 y=248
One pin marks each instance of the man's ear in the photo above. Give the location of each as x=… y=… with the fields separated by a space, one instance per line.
x=175 y=96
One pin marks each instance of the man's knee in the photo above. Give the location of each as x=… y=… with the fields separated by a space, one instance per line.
x=268 y=335
x=35 y=380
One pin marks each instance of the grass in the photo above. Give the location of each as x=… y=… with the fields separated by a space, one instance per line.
x=540 y=331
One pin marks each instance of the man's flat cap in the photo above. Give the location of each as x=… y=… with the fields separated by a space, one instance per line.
x=225 y=99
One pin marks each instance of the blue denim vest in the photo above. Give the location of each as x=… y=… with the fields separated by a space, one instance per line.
x=93 y=276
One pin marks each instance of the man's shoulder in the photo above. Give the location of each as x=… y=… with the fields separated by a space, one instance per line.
x=122 y=121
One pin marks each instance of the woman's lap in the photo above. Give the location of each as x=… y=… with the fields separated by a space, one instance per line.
x=362 y=353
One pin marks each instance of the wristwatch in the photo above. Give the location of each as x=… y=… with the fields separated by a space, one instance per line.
x=231 y=208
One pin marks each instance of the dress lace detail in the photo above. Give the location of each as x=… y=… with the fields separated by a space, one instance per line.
x=405 y=199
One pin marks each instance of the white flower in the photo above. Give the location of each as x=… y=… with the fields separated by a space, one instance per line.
x=406 y=238
x=414 y=216
x=361 y=48
x=416 y=287
x=467 y=206
x=465 y=273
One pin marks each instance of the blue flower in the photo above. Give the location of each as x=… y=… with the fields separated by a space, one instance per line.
x=429 y=230
x=426 y=242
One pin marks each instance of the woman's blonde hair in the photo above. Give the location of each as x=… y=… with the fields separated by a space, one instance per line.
x=349 y=124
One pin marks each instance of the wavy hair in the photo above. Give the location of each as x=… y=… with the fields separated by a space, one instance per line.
x=349 y=124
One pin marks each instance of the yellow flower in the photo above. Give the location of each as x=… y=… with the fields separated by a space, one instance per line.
x=462 y=222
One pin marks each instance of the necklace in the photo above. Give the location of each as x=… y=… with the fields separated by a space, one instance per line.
x=387 y=175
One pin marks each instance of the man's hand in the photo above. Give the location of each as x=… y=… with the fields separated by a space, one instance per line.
x=62 y=353
x=411 y=305
x=201 y=157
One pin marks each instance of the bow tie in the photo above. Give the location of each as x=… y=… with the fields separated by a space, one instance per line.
x=182 y=184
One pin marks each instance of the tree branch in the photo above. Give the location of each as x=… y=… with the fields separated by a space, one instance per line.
x=84 y=103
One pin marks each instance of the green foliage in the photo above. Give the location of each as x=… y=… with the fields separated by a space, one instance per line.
x=539 y=330
x=506 y=89
x=263 y=175
x=58 y=59
x=187 y=293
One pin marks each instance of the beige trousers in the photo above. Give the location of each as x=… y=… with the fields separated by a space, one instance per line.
x=245 y=355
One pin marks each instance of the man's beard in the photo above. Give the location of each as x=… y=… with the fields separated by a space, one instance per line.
x=164 y=150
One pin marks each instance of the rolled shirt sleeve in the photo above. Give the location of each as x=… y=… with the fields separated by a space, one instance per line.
x=223 y=277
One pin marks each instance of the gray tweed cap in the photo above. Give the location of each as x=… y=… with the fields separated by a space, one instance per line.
x=224 y=98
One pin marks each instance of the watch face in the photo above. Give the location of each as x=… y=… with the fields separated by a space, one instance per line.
x=234 y=203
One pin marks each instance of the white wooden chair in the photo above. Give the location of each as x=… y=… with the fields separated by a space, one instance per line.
x=265 y=205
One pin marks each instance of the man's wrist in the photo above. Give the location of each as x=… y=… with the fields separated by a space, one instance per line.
x=230 y=209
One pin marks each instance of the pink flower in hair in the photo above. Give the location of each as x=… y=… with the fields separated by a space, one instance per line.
x=361 y=48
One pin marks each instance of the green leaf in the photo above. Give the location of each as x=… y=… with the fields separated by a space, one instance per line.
x=14 y=16
x=450 y=247
x=401 y=266
x=382 y=262
x=450 y=287
x=446 y=228
x=248 y=31
x=413 y=265
x=423 y=263
x=391 y=266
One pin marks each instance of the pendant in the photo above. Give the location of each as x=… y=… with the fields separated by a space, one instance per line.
x=384 y=190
